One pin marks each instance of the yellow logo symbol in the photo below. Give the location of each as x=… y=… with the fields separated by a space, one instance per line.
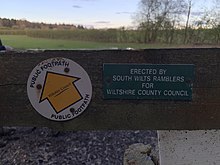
x=60 y=91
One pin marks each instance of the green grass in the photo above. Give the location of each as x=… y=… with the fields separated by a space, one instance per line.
x=25 y=42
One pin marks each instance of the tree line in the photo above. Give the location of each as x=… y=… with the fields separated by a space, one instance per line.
x=172 y=20
x=123 y=35
x=158 y=21
x=24 y=24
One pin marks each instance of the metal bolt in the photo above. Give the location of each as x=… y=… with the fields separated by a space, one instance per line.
x=72 y=110
x=66 y=70
x=39 y=86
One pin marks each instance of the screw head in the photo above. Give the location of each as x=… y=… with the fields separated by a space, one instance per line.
x=39 y=86
x=66 y=70
x=72 y=110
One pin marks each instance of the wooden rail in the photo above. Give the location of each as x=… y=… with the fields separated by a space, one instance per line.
x=203 y=112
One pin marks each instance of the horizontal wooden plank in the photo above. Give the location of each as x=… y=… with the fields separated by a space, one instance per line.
x=200 y=113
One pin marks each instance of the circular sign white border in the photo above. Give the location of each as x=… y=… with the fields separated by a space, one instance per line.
x=57 y=65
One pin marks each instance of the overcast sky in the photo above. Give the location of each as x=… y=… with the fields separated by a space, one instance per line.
x=96 y=13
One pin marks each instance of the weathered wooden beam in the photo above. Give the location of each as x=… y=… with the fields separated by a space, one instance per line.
x=203 y=112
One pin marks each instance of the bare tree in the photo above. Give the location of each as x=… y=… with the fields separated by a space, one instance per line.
x=187 y=21
x=147 y=15
x=215 y=20
x=210 y=23
x=157 y=15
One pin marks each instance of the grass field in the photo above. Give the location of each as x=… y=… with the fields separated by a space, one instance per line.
x=25 y=42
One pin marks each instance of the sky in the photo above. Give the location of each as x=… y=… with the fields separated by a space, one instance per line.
x=89 y=13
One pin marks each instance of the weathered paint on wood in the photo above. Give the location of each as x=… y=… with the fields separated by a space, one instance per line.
x=203 y=112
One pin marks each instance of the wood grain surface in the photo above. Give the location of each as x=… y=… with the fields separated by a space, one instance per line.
x=203 y=112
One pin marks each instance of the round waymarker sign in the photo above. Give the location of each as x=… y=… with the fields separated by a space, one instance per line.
x=59 y=89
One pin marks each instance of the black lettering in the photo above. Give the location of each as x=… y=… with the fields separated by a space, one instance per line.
x=60 y=117
x=34 y=78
